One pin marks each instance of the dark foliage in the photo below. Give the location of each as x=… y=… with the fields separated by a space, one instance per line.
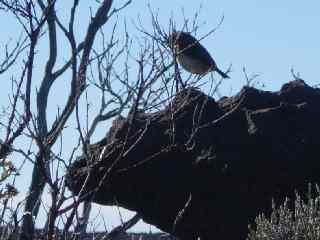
x=206 y=168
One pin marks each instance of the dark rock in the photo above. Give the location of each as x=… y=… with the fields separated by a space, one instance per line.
x=206 y=168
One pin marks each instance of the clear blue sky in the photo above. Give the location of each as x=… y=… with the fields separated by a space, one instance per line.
x=267 y=37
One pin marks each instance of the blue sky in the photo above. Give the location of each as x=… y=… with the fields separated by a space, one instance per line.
x=267 y=37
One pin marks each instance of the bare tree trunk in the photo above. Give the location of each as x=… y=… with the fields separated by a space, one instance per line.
x=83 y=221
x=32 y=204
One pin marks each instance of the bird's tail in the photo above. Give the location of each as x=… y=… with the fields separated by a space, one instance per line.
x=222 y=74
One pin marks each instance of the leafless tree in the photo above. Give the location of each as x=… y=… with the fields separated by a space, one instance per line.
x=99 y=64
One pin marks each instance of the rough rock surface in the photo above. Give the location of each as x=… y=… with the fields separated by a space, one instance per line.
x=206 y=168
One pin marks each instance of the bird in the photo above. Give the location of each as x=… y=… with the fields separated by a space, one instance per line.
x=191 y=55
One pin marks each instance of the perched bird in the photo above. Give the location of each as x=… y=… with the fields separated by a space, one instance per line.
x=191 y=55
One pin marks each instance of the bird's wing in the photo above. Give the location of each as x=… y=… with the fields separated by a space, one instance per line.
x=197 y=51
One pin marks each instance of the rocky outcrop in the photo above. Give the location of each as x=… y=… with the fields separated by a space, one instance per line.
x=206 y=168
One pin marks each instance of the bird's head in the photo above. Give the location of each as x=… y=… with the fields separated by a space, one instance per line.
x=181 y=40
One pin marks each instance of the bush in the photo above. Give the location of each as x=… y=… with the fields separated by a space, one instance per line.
x=285 y=224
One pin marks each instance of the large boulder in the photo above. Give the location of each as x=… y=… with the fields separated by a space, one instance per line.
x=206 y=168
